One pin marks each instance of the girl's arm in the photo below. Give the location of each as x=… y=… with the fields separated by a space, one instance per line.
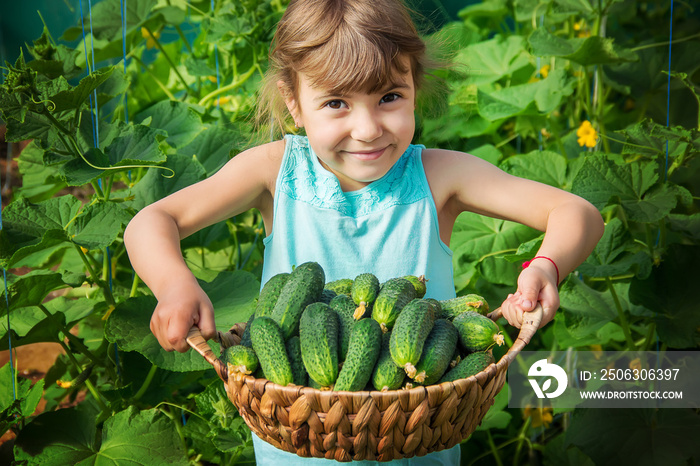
x=571 y=224
x=153 y=236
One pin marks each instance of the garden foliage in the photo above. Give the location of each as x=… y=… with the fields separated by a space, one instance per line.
x=571 y=93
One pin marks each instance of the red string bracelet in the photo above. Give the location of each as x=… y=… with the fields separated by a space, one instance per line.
x=526 y=264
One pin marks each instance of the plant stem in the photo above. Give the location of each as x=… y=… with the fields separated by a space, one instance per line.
x=493 y=448
x=134 y=285
x=167 y=58
x=146 y=382
x=229 y=87
x=162 y=86
x=95 y=393
x=178 y=427
x=621 y=314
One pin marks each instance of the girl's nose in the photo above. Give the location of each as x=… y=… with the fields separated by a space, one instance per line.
x=366 y=127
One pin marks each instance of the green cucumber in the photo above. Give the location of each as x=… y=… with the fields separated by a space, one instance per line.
x=418 y=284
x=318 y=333
x=340 y=286
x=387 y=375
x=245 y=337
x=327 y=295
x=240 y=360
x=409 y=334
x=299 y=375
x=364 y=291
x=304 y=286
x=365 y=346
x=268 y=344
x=270 y=293
x=477 y=332
x=437 y=352
x=345 y=307
x=393 y=296
x=451 y=308
x=470 y=365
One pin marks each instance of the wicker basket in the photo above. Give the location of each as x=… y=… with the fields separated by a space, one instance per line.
x=365 y=425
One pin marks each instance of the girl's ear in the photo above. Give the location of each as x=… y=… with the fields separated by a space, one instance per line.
x=290 y=101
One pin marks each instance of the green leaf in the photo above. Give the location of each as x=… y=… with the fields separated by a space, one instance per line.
x=479 y=239
x=39 y=182
x=128 y=325
x=214 y=145
x=30 y=289
x=643 y=437
x=613 y=256
x=602 y=182
x=25 y=393
x=72 y=98
x=570 y=6
x=69 y=436
x=154 y=185
x=28 y=228
x=543 y=166
x=493 y=59
x=178 y=119
x=594 y=50
x=586 y=316
x=670 y=292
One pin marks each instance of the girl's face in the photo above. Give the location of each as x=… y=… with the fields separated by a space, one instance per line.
x=359 y=136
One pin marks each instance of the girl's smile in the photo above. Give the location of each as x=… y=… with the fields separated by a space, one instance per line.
x=357 y=136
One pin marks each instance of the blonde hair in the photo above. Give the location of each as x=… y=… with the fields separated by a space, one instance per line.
x=344 y=46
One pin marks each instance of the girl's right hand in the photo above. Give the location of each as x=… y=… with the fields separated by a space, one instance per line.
x=182 y=306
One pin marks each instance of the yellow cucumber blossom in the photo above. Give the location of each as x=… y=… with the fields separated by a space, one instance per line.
x=150 y=39
x=587 y=135
x=541 y=417
x=544 y=71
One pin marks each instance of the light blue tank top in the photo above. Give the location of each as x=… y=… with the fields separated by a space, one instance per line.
x=388 y=228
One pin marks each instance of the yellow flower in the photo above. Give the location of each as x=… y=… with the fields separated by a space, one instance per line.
x=150 y=41
x=583 y=34
x=579 y=25
x=636 y=364
x=541 y=417
x=544 y=71
x=587 y=135
x=597 y=351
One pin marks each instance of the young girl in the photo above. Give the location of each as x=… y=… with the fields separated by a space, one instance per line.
x=353 y=194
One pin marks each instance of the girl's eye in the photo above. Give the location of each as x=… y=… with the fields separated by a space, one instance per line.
x=390 y=97
x=335 y=104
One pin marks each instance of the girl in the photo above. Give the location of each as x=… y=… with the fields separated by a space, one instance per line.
x=353 y=194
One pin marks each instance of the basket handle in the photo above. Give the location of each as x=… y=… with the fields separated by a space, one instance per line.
x=199 y=344
x=531 y=322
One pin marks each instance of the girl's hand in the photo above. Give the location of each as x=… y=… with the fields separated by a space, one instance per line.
x=183 y=305
x=535 y=283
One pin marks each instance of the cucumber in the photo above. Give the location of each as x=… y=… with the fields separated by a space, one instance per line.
x=470 y=365
x=341 y=286
x=318 y=333
x=418 y=284
x=477 y=332
x=387 y=375
x=299 y=375
x=345 y=307
x=393 y=296
x=451 y=308
x=270 y=293
x=437 y=352
x=245 y=337
x=327 y=295
x=268 y=344
x=365 y=346
x=409 y=334
x=240 y=360
x=304 y=286
x=364 y=291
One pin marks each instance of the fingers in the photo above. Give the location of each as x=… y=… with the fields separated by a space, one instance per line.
x=206 y=321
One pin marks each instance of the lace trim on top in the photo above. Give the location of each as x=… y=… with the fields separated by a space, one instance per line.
x=303 y=178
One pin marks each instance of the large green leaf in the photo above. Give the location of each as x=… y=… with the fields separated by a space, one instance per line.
x=544 y=166
x=69 y=436
x=524 y=99
x=483 y=240
x=18 y=399
x=214 y=145
x=177 y=118
x=231 y=293
x=28 y=227
x=70 y=98
x=31 y=288
x=613 y=256
x=643 y=437
x=586 y=317
x=594 y=50
x=155 y=185
x=671 y=293
x=632 y=186
x=493 y=59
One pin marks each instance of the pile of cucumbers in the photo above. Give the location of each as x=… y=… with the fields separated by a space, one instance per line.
x=357 y=334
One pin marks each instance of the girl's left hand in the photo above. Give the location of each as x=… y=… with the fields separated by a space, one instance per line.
x=535 y=283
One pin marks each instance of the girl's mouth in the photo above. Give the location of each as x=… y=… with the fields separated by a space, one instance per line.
x=368 y=155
